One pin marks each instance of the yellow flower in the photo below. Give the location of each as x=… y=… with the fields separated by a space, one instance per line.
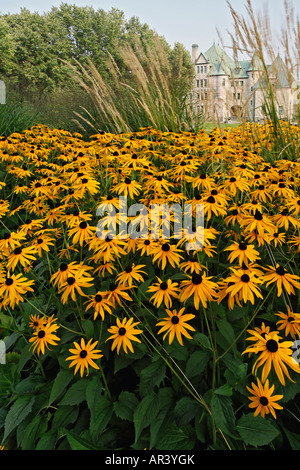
x=123 y=333
x=83 y=356
x=263 y=400
x=176 y=325
x=44 y=336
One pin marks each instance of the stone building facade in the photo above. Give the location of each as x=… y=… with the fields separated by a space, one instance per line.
x=225 y=89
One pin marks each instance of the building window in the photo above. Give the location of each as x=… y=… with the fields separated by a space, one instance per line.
x=198 y=68
x=201 y=68
x=238 y=96
x=242 y=83
x=280 y=110
x=205 y=69
x=205 y=82
x=197 y=83
x=224 y=81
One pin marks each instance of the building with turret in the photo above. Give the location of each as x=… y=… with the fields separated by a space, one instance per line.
x=227 y=89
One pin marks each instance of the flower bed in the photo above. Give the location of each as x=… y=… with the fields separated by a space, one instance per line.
x=114 y=341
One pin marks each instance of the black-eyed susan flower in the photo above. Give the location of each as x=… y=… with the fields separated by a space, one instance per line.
x=100 y=304
x=272 y=352
x=84 y=356
x=123 y=333
x=117 y=293
x=42 y=243
x=263 y=400
x=164 y=252
x=128 y=187
x=36 y=321
x=66 y=270
x=82 y=233
x=21 y=255
x=163 y=292
x=259 y=222
x=43 y=337
x=200 y=287
x=290 y=323
x=13 y=287
x=74 y=284
x=282 y=278
x=242 y=252
x=176 y=325
x=244 y=286
x=130 y=274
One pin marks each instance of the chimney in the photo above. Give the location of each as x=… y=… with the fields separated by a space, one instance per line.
x=194 y=52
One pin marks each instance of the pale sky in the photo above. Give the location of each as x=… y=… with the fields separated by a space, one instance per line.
x=184 y=21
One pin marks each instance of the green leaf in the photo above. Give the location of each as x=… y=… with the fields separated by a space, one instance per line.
x=174 y=438
x=152 y=376
x=60 y=384
x=165 y=398
x=197 y=363
x=47 y=441
x=64 y=416
x=225 y=390
x=100 y=417
x=225 y=335
x=30 y=433
x=223 y=415
x=17 y=413
x=145 y=413
x=203 y=340
x=125 y=406
x=294 y=439
x=78 y=443
x=184 y=411
x=76 y=393
x=255 y=430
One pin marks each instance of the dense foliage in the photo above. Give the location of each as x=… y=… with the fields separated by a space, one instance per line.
x=131 y=343
x=33 y=48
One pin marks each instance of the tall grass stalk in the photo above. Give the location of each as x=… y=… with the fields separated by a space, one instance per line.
x=252 y=34
x=144 y=95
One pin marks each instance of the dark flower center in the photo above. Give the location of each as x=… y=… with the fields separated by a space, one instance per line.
x=243 y=246
x=263 y=401
x=165 y=247
x=290 y=319
x=128 y=269
x=98 y=298
x=280 y=270
x=245 y=278
x=18 y=251
x=83 y=354
x=211 y=200
x=196 y=279
x=83 y=225
x=41 y=334
x=63 y=267
x=163 y=286
x=272 y=345
x=112 y=287
x=147 y=242
x=7 y=236
x=9 y=281
x=84 y=180
x=214 y=192
x=122 y=331
x=127 y=180
x=70 y=281
x=175 y=320
x=39 y=241
x=232 y=180
x=258 y=215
